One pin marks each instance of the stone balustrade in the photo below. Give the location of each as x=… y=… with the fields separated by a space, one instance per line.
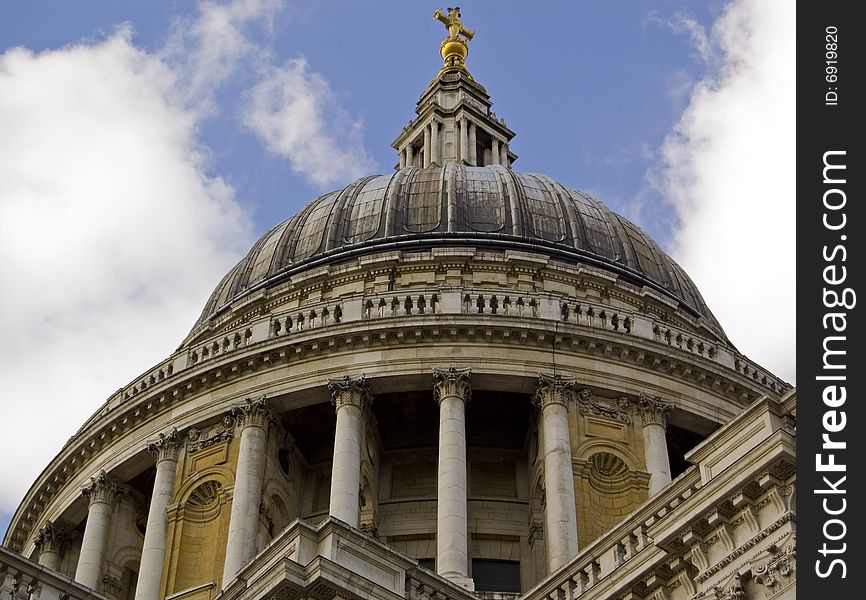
x=23 y=579
x=542 y=306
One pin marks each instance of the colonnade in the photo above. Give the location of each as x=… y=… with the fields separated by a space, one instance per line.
x=431 y=153
x=350 y=396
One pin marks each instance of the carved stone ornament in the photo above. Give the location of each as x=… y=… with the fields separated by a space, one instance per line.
x=253 y=413
x=452 y=382
x=321 y=591
x=607 y=465
x=102 y=488
x=732 y=589
x=166 y=446
x=111 y=585
x=536 y=531
x=205 y=494
x=775 y=569
x=52 y=538
x=198 y=439
x=653 y=411
x=553 y=389
x=618 y=409
x=348 y=390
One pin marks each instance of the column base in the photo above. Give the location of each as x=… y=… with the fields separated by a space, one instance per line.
x=465 y=582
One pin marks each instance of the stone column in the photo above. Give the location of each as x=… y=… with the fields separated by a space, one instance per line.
x=426 y=147
x=51 y=541
x=494 y=151
x=560 y=514
x=164 y=449
x=434 y=143
x=349 y=396
x=252 y=419
x=402 y=158
x=654 y=417
x=464 y=140
x=101 y=492
x=472 y=143
x=451 y=391
x=503 y=154
x=410 y=156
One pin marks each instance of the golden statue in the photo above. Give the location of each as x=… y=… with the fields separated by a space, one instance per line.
x=453 y=24
x=454 y=49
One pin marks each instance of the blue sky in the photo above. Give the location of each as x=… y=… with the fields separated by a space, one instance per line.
x=147 y=144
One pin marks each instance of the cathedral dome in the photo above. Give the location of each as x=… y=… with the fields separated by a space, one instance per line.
x=451 y=379
x=490 y=206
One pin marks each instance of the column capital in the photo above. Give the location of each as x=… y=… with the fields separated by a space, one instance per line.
x=165 y=446
x=553 y=389
x=452 y=382
x=52 y=538
x=102 y=488
x=347 y=390
x=253 y=413
x=653 y=411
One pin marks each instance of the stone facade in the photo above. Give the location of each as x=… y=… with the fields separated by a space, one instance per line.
x=445 y=413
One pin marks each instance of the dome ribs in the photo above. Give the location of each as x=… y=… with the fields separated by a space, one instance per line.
x=490 y=206
x=284 y=252
x=396 y=197
x=340 y=220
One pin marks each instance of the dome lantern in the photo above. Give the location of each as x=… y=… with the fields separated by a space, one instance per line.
x=454 y=122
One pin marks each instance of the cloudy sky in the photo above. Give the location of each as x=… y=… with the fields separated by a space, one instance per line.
x=145 y=145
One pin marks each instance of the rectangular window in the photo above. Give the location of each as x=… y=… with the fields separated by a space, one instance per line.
x=427 y=563
x=496 y=575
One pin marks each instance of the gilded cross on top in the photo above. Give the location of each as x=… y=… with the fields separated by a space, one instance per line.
x=453 y=24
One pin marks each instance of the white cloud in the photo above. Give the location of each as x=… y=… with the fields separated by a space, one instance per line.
x=729 y=170
x=295 y=114
x=111 y=236
x=209 y=48
x=112 y=229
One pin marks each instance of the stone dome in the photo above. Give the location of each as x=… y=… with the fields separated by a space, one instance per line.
x=489 y=206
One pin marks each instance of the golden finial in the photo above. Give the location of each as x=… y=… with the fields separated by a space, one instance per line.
x=454 y=49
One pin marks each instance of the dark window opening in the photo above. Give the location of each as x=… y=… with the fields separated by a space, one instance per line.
x=427 y=563
x=496 y=575
x=680 y=441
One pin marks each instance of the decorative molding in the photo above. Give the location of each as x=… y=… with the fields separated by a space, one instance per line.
x=776 y=569
x=111 y=585
x=102 y=488
x=452 y=382
x=653 y=411
x=199 y=439
x=553 y=389
x=536 y=531
x=349 y=391
x=254 y=413
x=607 y=464
x=744 y=548
x=618 y=409
x=52 y=538
x=166 y=446
x=205 y=494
